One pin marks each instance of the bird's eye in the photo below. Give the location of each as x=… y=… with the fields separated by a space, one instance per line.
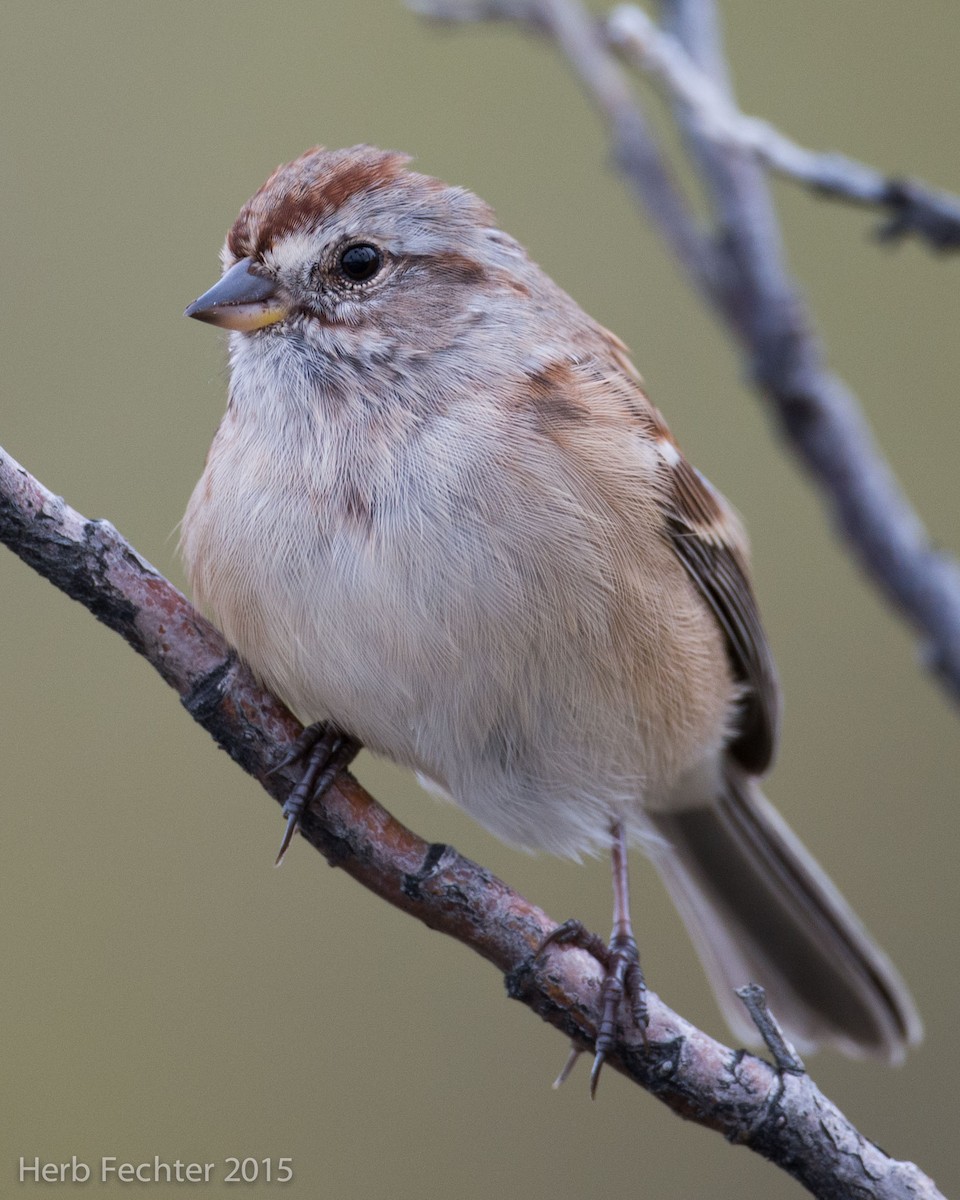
x=360 y=262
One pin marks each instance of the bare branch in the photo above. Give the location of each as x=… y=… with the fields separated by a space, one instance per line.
x=743 y=275
x=912 y=207
x=781 y=1115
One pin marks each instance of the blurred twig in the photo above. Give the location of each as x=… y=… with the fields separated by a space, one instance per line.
x=738 y=266
x=911 y=206
x=780 y=1114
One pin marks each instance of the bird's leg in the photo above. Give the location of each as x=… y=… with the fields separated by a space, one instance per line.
x=324 y=751
x=623 y=977
x=620 y=960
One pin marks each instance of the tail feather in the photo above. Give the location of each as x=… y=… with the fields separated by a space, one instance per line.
x=759 y=909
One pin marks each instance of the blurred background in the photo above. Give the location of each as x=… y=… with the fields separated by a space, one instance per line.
x=165 y=990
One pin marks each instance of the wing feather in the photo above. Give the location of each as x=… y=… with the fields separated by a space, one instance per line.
x=710 y=544
x=699 y=524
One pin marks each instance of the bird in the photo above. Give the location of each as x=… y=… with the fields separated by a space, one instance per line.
x=442 y=518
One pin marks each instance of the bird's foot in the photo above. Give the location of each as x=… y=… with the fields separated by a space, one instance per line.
x=324 y=751
x=622 y=978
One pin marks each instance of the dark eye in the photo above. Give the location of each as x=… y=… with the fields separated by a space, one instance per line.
x=360 y=262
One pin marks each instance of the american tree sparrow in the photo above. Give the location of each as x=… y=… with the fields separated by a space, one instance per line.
x=441 y=515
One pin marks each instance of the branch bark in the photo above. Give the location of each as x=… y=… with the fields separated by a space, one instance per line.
x=739 y=269
x=778 y=1113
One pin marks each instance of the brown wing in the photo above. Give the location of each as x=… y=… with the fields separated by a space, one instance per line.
x=711 y=546
x=701 y=527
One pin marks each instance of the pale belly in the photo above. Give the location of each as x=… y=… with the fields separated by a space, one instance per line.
x=498 y=661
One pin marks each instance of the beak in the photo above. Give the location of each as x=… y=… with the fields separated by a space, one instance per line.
x=240 y=300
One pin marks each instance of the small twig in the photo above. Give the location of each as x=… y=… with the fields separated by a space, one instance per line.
x=912 y=207
x=785 y=1057
x=782 y=1117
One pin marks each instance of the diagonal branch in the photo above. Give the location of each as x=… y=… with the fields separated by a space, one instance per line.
x=779 y=1114
x=745 y=280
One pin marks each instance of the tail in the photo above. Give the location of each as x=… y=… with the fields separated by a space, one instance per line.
x=760 y=910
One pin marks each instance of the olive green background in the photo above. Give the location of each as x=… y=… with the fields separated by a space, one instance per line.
x=165 y=990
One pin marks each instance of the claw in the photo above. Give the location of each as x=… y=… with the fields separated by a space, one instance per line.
x=327 y=752
x=293 y=824
x=568 y=1066
x=595 y=1073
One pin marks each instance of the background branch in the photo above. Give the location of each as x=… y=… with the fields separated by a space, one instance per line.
x=779 y=1114
x=913 y=208
x=741 y=271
